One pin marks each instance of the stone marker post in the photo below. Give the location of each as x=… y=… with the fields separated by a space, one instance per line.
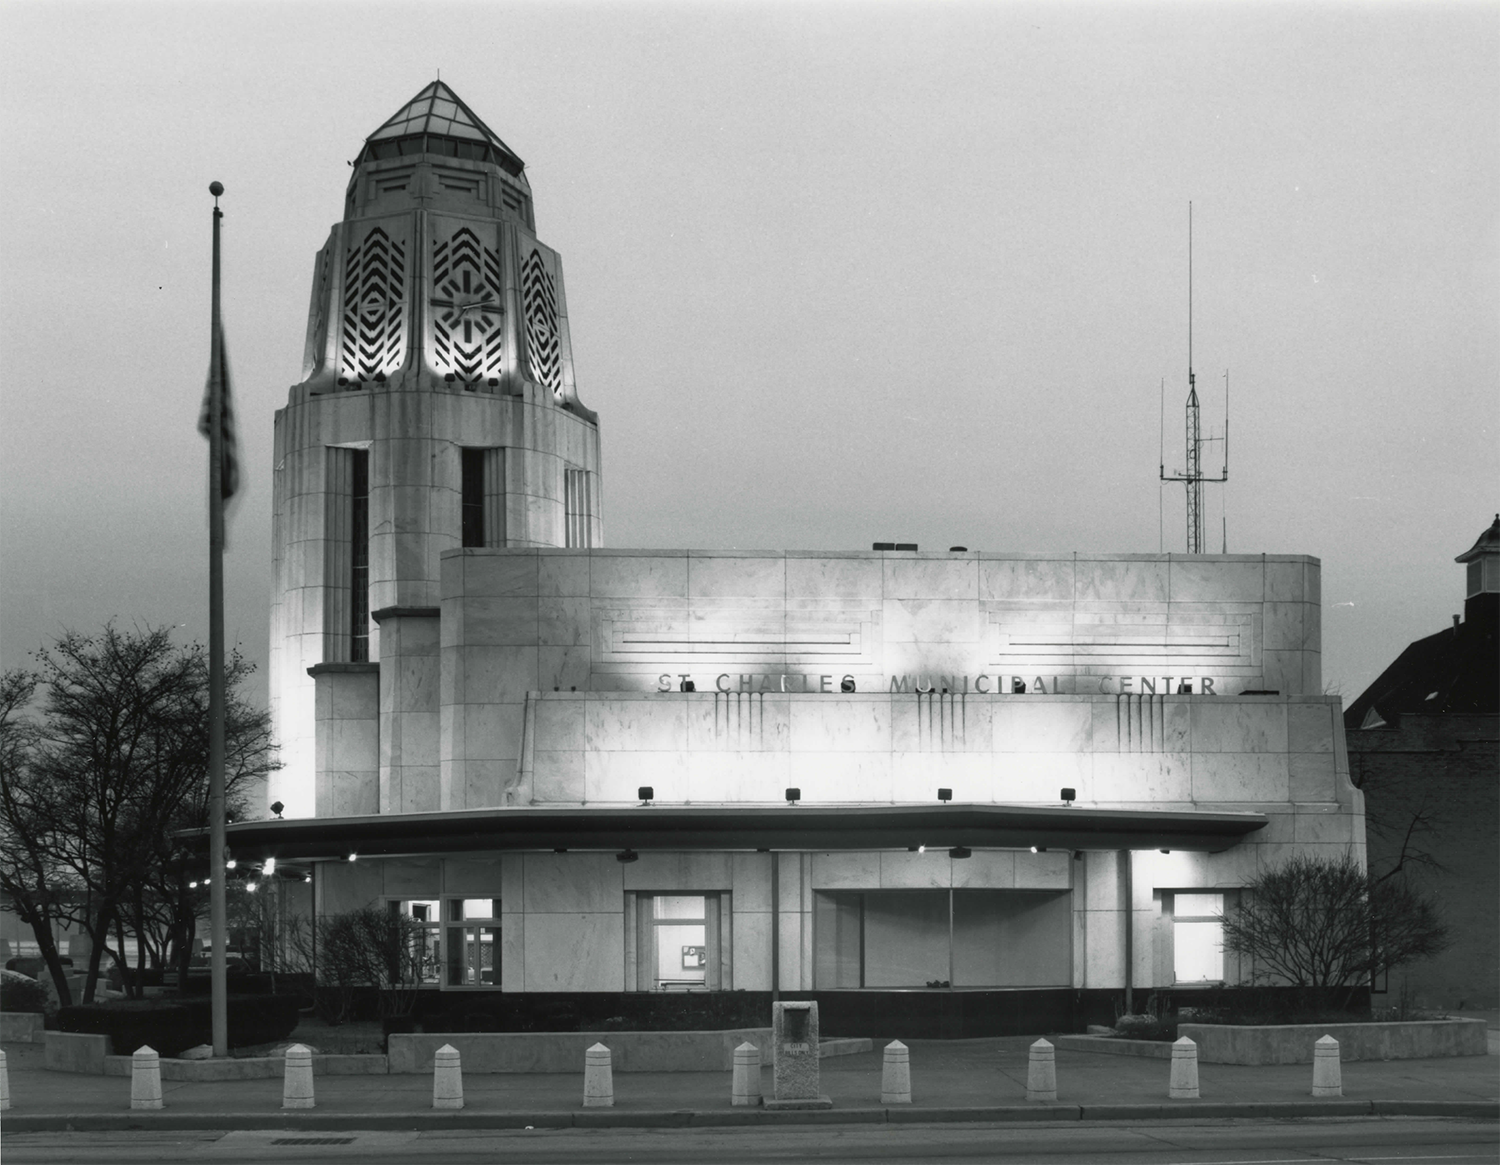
x=447 y=1078
x=1184 y=1082
x=4 y=1084
x=598 y=1078
x=145 y=1078
x=895 y=1074
x=1041 y=1072
x=1328 y=1073
x=297 y=1087
x=745 y=1088
x=794 y=1039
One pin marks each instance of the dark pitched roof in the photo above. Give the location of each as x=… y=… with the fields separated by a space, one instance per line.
x=1456 y=670
x=1488 y=543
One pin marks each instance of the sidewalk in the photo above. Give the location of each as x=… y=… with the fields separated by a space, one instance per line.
x=952 y=1080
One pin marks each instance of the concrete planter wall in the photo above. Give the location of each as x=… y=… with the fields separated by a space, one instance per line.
x=251 y=1067
x=1293 y=1043
x=21 y=1027
x=711 y=1051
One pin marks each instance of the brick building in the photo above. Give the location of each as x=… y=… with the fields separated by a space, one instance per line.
x=1424 y=745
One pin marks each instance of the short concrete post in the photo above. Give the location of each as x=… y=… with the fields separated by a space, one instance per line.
x=598 y=1078
x=4 y=1084
x=1184 y=1082
x=145 y=1078
x=895 y=1075
x=297 y=1089
x=1041 y=1072
x=745 y=1088
x=1328 y=1074
x=447 y=1078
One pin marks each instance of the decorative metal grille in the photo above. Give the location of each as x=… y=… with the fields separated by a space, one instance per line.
x=539 y=292
x=374 y=308
x=467 y=339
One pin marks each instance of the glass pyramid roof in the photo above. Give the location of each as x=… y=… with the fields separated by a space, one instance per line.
x=438 y=110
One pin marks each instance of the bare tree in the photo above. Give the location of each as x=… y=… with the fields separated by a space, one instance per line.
x=114 y=765
x=1325 y=924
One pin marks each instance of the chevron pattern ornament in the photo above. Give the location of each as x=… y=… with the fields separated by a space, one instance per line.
x=539 y=295
x=374 y=342
x=467 y=340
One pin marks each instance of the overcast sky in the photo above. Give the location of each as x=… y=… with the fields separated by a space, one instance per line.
x=836 y=273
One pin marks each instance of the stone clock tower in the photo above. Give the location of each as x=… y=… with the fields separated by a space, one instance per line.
x=437 y=409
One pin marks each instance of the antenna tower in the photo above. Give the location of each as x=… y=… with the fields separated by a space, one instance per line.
x=1193 y=477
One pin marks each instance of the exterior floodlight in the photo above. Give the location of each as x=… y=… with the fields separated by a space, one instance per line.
x=307 y=878
x=353 y=857
x=958 y=550
x=945 y=794
x=1166 y=851
x=559 y=849
x=277 y=807
x=192 y=885
x=645 y=793
x=251 y=887
x=687 y=686
x=628 y=855
x=960 y=851
x=268 y=867
x=1069 y=796
x=846 y=684
x=230 y=864
x=1038 y=849
x=793 y=796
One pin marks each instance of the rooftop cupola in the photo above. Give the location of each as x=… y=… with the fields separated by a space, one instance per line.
x=1482 y=592
x=437 y=153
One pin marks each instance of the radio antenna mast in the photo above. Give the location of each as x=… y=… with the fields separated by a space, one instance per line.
x=1192 y=477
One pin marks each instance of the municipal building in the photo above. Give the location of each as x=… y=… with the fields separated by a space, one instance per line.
x=874 y=778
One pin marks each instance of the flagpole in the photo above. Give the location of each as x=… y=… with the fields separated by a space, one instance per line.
x=216 y=898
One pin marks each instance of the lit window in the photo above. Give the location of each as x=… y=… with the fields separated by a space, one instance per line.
x=1198 y=938
x=473 y=942
x=678 y=946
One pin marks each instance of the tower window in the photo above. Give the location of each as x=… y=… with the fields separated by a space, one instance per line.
x=482 y=488
x=359 y=556
x=578 y=503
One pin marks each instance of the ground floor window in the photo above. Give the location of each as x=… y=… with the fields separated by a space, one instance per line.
x=424 y=939
x=473 y=940
x=1197 y=938
x=927 y=938
x=678 y=942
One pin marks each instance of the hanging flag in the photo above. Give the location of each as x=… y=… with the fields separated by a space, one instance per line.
x=229 y=468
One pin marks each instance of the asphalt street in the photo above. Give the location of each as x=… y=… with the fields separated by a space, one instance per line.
x=1369 y=1141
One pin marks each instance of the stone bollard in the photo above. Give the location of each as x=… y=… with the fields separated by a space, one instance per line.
x=1328 y=1074
x=1184 y=1082
x=297 y=1089
x=895 y=1075
x=145 y=1078
x=1041 y=1072
x=598 y=1078
x=447 y=1078
x=4 y=1084
x=745 y=1088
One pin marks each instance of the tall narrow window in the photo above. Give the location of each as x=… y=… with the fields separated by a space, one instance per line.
x=579 y=506
x=483 y=503
x=359 y=556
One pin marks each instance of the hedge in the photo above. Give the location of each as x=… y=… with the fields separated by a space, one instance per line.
x=172 y=1026
x=21 y=993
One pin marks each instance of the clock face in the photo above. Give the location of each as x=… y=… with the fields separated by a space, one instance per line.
x=467 y=337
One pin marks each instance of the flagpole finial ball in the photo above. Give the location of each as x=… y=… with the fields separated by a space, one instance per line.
x=216 y=188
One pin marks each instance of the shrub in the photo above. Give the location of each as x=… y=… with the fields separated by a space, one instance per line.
x=21 y=993
x=173 y=1026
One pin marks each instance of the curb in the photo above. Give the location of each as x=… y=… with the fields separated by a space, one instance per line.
x=718 y=1118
